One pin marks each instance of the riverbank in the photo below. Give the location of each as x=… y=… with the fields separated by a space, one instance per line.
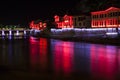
x=96 y=40
x=110 y=36
x=100 y=39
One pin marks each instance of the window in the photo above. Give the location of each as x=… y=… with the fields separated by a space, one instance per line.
x=83 y=23
x=119 y=13
x=96 y=16
x=81 y=18
x=105 y=15
x=110 y=22
x=79 y=24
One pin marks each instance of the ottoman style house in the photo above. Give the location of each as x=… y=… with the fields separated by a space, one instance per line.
x=109 y=18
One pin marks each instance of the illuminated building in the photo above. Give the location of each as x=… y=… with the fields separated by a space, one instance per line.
x=64 y=22
x=38 y=26
x=82 y=21
x=106 y=18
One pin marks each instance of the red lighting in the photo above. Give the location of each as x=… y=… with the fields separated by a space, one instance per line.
x=64 y=22
x=63 y=57
x=38 y=26
x=43 y=53
x=38 y=54
x=34 y=51
x=104 y=62
x=106 y=18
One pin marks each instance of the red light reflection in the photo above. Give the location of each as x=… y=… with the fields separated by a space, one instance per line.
x=63 y=57
x=34 y=50
x=38 y=54
x=67 y=57
x=43 y=53
x=104 y=62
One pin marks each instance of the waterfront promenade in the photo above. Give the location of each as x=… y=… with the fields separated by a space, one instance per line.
x=93 y=35
x=14 y=32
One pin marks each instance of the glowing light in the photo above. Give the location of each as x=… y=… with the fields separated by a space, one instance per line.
x=43 y=53
x=66 y=22
x=37 y=26
x=10 y=32
x=63 y=56
x=105 y=19
x=111 y=33
x=34 y=52
x=17 y=33
x=24 y=32
x=104 y=63
x=10 y=37
x=3 y=33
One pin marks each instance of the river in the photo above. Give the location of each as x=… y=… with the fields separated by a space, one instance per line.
x=50 y=59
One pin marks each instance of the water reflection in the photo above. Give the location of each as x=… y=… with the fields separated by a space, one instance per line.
x=12 y=53
x=62 y=56
x=76 y=60
x=43 y=53
x=82 y=58
x=38 y=54
x=105 y=61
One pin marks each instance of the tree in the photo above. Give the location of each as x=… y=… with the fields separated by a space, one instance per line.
x=1 y=26
x=85 y=6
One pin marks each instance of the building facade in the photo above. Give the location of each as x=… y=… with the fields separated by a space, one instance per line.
x=106 y=18
x=64 y=22
x=37 y=26
x=82 y=21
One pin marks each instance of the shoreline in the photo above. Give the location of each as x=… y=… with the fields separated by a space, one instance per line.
x=105 y=41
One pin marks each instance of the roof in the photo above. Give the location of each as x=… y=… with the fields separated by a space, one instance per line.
x=104 y=11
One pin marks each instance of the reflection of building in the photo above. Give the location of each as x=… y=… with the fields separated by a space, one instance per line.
x=107 y=18
x=62 y=56
x=81 y=21
x=64 y=22
x=104 y=63
x=38 y=54
x=39 y=25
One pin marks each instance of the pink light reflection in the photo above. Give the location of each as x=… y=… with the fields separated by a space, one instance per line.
x=34 y=50
x=43 y=53
x=104 y=61
x=67 y=57
x=63 y=57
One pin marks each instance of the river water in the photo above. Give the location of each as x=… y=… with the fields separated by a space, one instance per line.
x=50 y=59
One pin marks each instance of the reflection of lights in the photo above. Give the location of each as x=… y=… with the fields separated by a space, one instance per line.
x=104 y=61
x=10 y=32
x=67 y=56
x=34 y=51
x=3 y=37
x=43 y=53
x=24 y=32
x=10 y=37
x=3 y=33
x=111 y=33
x=63 y=56
x=17 y=33
x=38 y=53
x=33 y=40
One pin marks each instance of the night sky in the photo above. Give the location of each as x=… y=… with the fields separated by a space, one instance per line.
x=13 y=12
x=22 y=12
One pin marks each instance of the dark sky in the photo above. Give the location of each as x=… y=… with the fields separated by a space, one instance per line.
x=23 y=11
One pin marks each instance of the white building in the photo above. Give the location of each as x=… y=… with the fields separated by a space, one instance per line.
x=81 y=21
